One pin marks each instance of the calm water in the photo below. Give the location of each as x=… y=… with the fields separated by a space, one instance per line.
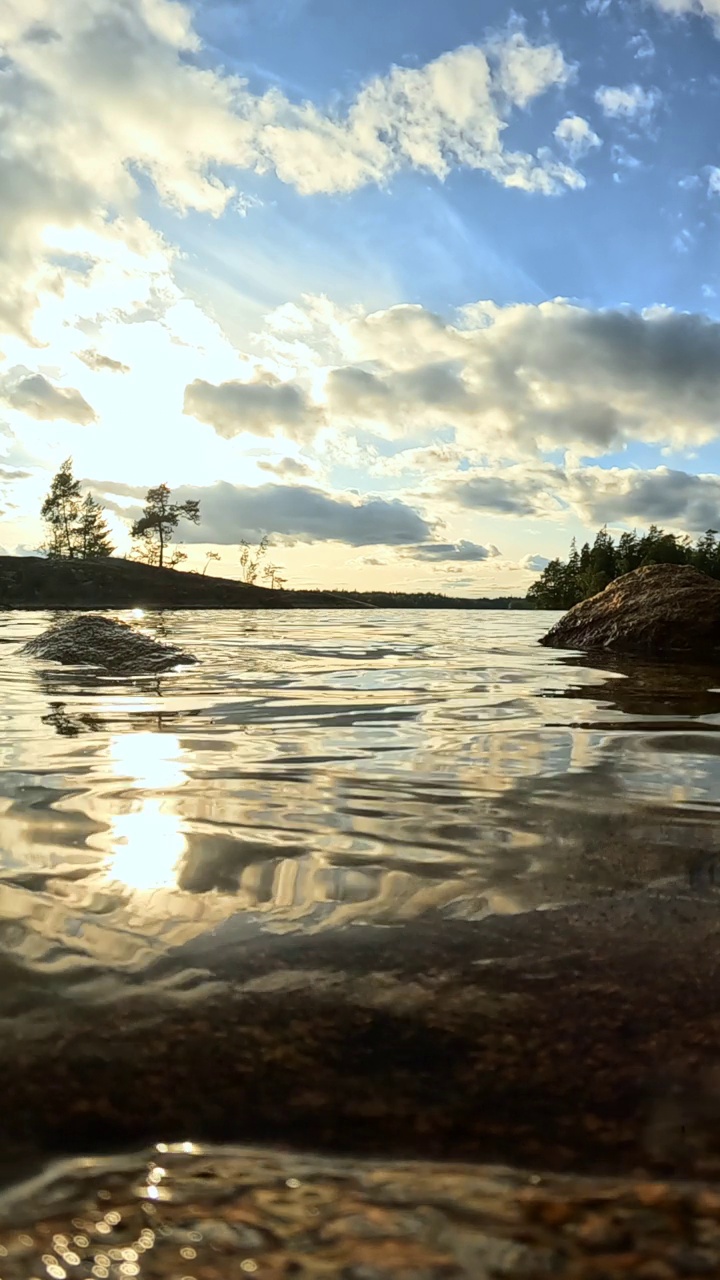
x=318 y=769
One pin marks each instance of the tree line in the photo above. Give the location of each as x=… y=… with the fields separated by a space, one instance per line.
x=76 y=529
x=564 y=583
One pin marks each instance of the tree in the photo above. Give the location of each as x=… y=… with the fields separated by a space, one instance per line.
x=94 y=535
x=154 y=531
x=250 y=564
x=209 y=555
x=271 y=573
x=61 y=513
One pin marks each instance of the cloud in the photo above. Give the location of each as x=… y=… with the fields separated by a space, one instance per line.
x=576 y=136
x=518 y=491
x=448 y=551
x=523 y=379
x=660 y=496
x=631 y=103
x=534 y=564
x=262 y=407
x=642 y=46
x=287 y=467
x=100 y=98
x=299 y=513
x=702 y=8
x=34 y=395
x=94 y=360
x=595 y=495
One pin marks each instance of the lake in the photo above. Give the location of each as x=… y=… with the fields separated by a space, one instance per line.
x=366 y=881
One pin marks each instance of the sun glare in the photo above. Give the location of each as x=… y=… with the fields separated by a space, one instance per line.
x=151 y=761
x=147 y=847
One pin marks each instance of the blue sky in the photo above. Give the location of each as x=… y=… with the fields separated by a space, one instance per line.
x=421 y=290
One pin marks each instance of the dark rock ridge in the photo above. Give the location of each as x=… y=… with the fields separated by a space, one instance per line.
x=661 y=610
x=94 y=640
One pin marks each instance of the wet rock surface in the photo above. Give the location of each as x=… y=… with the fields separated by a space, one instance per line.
x=577 y=1039
x=95 y=640
x=172 y=1212
x=660 y=610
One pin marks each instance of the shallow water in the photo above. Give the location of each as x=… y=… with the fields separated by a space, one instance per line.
x=316 y=768
x=318 y=776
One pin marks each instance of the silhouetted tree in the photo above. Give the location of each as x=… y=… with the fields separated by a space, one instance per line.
x=563 y=584
x=61 y=513
x=154 y=531
x=94 y=534
x=76 y=526
x=251 y=562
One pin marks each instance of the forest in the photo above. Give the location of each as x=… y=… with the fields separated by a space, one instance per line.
x=589 y=570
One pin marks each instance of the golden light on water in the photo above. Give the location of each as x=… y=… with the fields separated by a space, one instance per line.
x=147 y=847
x=151 y=761
x=148 y=842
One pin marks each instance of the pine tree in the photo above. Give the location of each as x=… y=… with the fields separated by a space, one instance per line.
x=153 y=532
x=61 y=513
x=95 y=541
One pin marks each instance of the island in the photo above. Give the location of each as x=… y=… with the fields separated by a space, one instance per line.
x=38 y=582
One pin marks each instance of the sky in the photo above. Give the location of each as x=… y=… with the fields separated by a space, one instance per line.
x=421 y=291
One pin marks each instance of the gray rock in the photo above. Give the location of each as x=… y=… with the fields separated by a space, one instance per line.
x=91 y=639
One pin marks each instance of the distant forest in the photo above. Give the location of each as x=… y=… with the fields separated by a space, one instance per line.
x=565 y=582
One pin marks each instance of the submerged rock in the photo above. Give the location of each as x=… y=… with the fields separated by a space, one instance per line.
x=662 y=610
x=94 y=640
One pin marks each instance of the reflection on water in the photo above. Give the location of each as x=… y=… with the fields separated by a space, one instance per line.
x=320 y=769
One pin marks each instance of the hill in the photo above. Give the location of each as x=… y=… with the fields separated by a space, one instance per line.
x=32 y=582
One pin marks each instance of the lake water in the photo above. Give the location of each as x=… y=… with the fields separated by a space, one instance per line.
x=326 y=781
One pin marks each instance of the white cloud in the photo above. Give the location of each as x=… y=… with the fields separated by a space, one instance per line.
x=534 y=564
x=629 y=103
x=96 y=93
x=522 y=379
x=33 y=394
x=595 y=495
x=713 y=174
x=576 y=136
x=702 y=8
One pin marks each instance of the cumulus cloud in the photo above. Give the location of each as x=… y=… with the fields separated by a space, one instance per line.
x=111 y=93
x=660 y=496
x=525 y=379
x=596 y=495
x=629 y=103
x=464 y=551
x=262 y=407
x=34 y=395
x=299 y=513
x=534 y=564
x=99 y=363
x=576 y=136
x=516 y=491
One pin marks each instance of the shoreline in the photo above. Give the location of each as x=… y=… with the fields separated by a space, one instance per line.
x=36 y=583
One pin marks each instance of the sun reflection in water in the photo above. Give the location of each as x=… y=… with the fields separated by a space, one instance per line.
x=151 y=761
x=148 y=842
x=147 y=847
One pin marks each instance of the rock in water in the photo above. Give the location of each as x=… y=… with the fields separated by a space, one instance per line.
x=91 y=639
x=661 y=610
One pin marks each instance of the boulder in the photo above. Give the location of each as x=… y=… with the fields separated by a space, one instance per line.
x=91 y=639
x=662 y=610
